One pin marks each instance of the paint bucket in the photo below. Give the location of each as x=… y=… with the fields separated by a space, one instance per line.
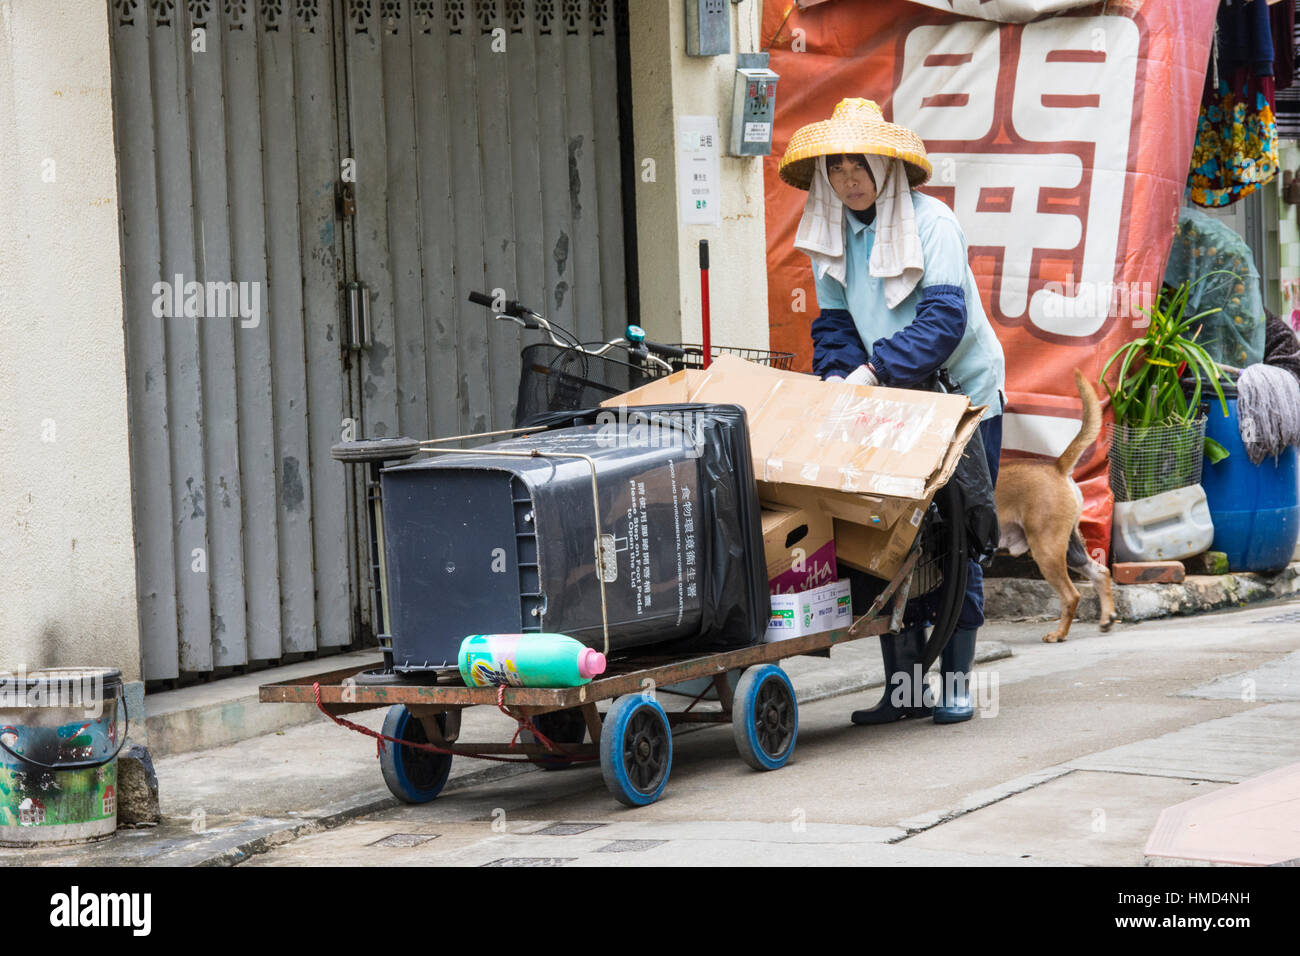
x=61 y=730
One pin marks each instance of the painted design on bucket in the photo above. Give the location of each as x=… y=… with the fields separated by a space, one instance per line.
x=38 y=798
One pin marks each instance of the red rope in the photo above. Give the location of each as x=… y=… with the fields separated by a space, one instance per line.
x=699 y=697
x=523 y=722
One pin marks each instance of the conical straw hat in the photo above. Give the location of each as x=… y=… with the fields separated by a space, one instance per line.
x=856 y=126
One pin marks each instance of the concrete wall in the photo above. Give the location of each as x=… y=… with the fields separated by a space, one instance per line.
x=667 y=84
x=67 y=568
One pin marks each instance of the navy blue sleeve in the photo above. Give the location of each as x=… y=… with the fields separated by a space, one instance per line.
x=912 y=353
x=837 y=348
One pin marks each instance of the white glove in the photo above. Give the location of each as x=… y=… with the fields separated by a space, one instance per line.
x=833 y=378
x=862 y=375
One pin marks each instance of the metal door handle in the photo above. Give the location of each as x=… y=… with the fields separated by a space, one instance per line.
x=357 y=305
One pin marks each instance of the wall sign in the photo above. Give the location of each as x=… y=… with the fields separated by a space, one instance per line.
x=699 y=192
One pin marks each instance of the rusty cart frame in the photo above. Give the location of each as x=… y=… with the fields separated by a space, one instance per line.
x=425 y=719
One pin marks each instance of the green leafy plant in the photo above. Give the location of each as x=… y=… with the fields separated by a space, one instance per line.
x=1149 y=401
x=1150 y=391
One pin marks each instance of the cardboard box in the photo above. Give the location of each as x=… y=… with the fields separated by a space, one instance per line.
x=871 y=533
x=800 y=548
x=871 y=458
x=879 y=552
x=810 y=612
x=861 y=439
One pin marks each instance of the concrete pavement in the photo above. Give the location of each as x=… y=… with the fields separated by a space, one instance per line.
x=1087 y=741
x=1091 y=740
x=224 y=804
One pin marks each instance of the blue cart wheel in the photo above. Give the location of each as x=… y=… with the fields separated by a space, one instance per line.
x=413 y=776
x=765 y=717
x=562 y=727
x=636 y=750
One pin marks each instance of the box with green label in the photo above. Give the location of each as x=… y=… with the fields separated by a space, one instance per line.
x=809 y=612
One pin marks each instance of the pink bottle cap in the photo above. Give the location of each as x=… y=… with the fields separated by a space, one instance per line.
x=590 y=662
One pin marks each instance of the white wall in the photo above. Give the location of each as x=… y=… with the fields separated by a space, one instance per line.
x=67 y=569
x=667 y=84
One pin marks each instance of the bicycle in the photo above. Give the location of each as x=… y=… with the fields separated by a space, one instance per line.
x=565 y=375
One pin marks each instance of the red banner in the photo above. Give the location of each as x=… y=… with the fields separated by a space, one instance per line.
x=1063 y=147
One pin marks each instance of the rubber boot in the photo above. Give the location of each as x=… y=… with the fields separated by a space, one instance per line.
x=903 y=653
x=958 y=658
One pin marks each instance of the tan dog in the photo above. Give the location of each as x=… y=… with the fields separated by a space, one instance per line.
x=1039 y=507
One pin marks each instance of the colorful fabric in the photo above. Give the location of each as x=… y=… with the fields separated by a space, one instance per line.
x=1236 y=144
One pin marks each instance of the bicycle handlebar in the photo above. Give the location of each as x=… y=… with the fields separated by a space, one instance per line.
x=640 y=344
x=669 y=351
x=637 y=346
x=516 y=310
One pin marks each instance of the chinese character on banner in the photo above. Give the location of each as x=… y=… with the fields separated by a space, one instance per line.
x=1061 y=144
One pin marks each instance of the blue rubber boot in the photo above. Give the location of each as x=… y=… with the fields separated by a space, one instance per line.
x=903 y=654
x=958 y=658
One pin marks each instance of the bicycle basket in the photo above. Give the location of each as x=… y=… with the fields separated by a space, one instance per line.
x=695 y=356
x=557 y=379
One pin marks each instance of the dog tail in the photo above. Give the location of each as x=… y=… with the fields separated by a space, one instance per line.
x=1088 y=429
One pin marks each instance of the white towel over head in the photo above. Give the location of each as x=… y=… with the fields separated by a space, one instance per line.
x=896 y=256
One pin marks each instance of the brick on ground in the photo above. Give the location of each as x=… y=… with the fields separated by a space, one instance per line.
x=1148 y=572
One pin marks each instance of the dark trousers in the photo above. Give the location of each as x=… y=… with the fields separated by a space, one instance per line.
x=972 y=608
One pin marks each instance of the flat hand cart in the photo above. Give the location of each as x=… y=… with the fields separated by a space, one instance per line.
x=632 y=737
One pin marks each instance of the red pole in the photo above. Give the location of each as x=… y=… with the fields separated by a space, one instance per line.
x=704 y=300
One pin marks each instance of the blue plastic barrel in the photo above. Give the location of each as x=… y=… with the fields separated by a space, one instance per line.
x=1255 y=508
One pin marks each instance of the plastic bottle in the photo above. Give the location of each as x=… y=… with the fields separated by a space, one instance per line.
x=527 y=660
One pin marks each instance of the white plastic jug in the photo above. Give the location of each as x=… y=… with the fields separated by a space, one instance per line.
x=1165 y=527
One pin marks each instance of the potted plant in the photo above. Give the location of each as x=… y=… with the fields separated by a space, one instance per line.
x=1158 y=438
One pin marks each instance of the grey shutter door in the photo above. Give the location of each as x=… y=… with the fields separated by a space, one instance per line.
x=484 y=135
x=227 y=132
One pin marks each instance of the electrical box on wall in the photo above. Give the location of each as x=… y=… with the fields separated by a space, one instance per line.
x=753 y=106
x=708 y=27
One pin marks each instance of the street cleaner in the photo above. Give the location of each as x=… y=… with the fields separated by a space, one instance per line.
x=898 y=304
